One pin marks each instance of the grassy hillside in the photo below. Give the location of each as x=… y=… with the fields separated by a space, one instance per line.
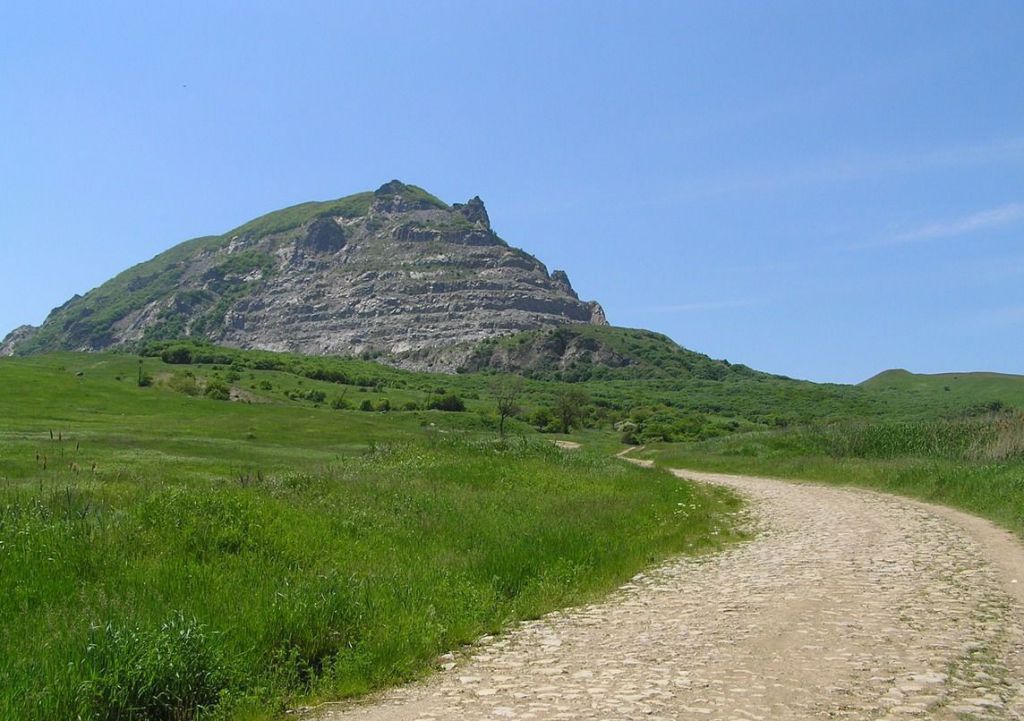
x=188 y=557
x=666 y=393
x=949 y=391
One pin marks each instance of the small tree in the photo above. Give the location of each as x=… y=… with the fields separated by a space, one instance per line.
x=506 y=391
x=542 y=420
x=570 y=406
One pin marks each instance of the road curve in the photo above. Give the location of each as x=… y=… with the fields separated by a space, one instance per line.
x=847 y=604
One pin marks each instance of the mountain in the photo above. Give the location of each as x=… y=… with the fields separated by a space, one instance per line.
x=394 y=273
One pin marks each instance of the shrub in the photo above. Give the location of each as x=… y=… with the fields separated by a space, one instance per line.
x=448 y=402
x=366 y=405
x=177 y=355
x=542 y=420
x=218 y=391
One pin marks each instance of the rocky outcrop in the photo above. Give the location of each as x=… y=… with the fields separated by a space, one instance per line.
x=597 y=316
x=474 y=211
x=382 y=273
x=561 y=279
x=555 y=350
x=15 y=337
x=324 y=235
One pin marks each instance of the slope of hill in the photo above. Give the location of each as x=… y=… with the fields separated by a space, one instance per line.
x=384 y=272
x=950 y=391
x=578 y=353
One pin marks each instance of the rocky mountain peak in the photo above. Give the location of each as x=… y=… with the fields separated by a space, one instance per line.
x=474 y=211
x=561 y=279
x=397 y=197
x=395 y=273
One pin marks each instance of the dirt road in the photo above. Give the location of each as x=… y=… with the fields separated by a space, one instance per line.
x=846 y=605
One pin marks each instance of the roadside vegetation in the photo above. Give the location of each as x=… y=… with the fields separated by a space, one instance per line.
x=974 y=461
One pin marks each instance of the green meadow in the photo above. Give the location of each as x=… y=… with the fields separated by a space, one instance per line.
x=167 y=553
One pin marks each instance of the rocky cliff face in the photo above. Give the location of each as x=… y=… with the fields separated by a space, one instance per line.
x=386 y=273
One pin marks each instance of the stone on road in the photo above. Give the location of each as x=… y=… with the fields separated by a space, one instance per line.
x=846 y=605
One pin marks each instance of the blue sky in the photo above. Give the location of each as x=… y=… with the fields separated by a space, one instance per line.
x=819 y=189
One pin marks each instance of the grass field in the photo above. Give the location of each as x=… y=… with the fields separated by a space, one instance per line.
x=973 y=462
x=233 y=536
x=166 y=555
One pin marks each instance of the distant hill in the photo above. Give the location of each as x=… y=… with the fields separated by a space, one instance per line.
x=950 y=390
x=379 y=273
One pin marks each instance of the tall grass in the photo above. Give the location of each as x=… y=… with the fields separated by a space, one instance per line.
x=995 y=437
x=972 y=463
x=221 y=599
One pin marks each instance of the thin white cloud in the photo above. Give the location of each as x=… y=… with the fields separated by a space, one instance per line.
x=983 y=220
x=988 y=219
x=703 y=305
